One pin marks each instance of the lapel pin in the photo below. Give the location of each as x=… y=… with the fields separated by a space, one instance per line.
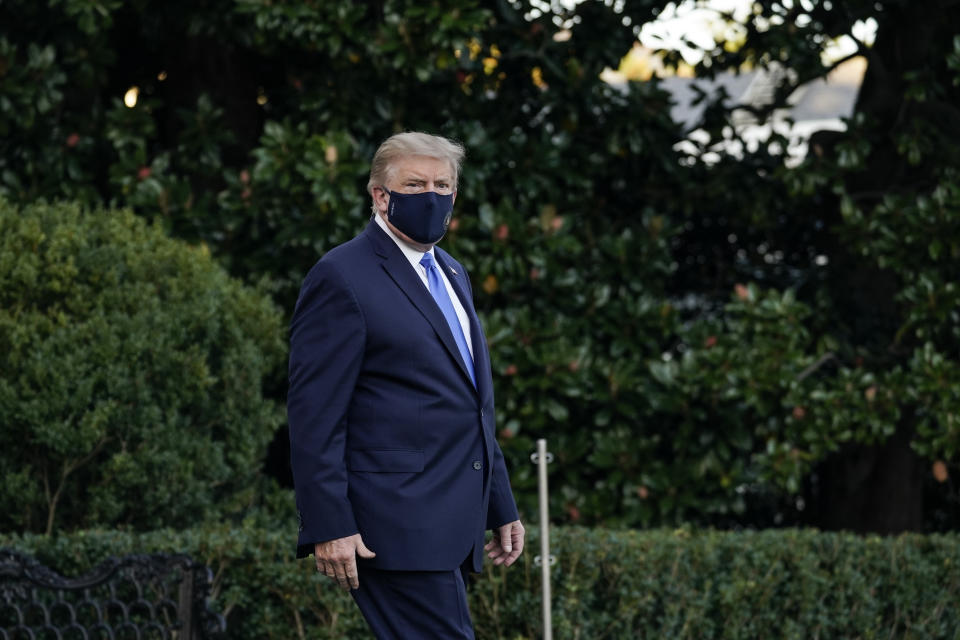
x=453 y=271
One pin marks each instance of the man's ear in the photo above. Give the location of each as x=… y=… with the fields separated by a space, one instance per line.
x=381 y=198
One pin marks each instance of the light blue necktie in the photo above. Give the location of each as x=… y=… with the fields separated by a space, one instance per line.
x=439 y=292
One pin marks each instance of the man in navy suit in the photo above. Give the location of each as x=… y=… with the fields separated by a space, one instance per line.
x=397 y=470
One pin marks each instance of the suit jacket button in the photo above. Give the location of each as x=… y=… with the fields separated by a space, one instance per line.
x=477 y=465
x=481 y=413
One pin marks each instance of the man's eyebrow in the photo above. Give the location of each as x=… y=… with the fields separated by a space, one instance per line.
x=419 y=177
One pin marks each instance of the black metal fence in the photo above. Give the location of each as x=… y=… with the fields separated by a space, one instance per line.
x=137 y=597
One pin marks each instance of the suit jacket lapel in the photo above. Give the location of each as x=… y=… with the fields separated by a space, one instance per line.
x=481 y=360
x=402 y=273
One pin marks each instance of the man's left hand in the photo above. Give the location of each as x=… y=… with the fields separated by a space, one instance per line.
x=507 y=544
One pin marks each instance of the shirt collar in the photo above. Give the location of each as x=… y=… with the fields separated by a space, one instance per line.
x=413 y=255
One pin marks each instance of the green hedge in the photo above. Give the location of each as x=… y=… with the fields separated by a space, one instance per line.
x=607 y=584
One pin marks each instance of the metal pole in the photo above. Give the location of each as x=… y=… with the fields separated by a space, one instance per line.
x=544 y=538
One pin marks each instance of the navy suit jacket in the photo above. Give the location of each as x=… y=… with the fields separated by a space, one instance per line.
x=388 y=436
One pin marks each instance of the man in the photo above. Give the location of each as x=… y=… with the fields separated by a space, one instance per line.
x=396 y=467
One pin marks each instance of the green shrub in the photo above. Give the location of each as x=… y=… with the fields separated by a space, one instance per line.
x=130 y=389
x=607 y=584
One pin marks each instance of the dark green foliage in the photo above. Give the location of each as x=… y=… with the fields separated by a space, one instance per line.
x=130 y=390
x=605 y=262
x=606 y=584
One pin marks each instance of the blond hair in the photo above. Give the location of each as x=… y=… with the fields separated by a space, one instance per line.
x=412 y=143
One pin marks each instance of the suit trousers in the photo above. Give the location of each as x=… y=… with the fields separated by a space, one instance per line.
x=414 y=605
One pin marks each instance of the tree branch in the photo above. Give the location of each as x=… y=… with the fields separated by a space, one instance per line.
x=825 y=358
x=68 y=468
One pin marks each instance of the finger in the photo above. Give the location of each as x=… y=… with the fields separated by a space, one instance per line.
x=518 y=540
x=498 y=556
x=341 y=573
x=511 y=557
x=321 y=565
x=502 y=557
x=353 y=579
x=506 y=536
x=518 y=545
x=363 y=552
x=328 y=570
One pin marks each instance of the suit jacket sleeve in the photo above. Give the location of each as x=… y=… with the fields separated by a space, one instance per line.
x=502 y=508
x=327 y=336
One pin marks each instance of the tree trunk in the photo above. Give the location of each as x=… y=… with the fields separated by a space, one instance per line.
x=876 y=489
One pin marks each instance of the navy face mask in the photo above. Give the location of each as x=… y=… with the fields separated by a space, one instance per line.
x=423 y=217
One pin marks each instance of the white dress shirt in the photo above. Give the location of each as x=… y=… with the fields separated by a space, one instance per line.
x=414 y=257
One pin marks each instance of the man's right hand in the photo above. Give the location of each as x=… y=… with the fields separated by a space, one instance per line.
x=338 y=559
